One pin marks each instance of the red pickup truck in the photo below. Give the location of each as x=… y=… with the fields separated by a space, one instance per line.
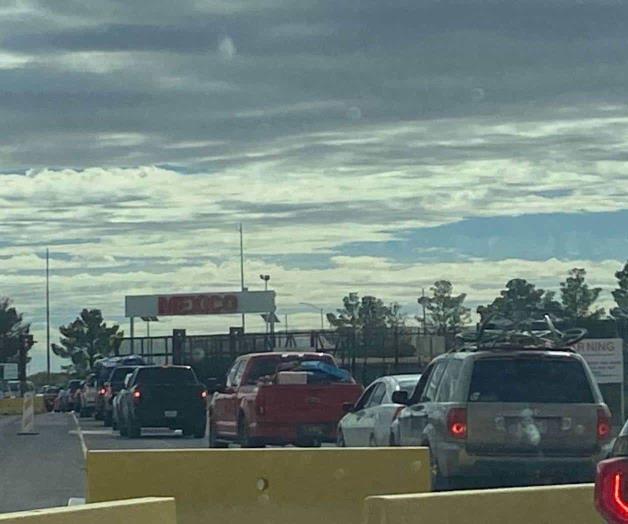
x=281 y=398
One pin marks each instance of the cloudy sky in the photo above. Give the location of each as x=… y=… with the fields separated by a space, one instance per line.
x=365 y=145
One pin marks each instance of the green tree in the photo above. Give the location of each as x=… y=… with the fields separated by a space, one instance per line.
x=367 y=313
x=12 y=327
x=87 y=339
x=621 y=293
x=578 y=298
x=445 y=312
x=521 y=302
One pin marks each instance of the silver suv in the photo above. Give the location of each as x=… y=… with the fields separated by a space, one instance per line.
x=502 y=415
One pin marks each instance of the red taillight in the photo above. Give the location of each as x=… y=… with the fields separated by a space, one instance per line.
x=457 y=423
x=102 y=392
x=610 y=490
x=137 y=396
x=603 y=424
x=203 y=394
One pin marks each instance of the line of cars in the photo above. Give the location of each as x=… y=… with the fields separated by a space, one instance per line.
x=492 y=416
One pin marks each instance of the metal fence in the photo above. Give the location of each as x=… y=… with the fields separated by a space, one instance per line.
x=366 y=355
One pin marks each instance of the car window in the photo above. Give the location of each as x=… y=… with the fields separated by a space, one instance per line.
x=449 y=381
x=408 y=385
x=166 y=375
x=366 y=396
x=530 y=380
x=429 y=394
x=237 y=379
x=232 y=374
x=119 y=373
x=378 y=396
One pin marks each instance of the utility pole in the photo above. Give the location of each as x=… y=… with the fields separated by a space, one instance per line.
x=47 y=315
x=424 y=314
x=242 y=269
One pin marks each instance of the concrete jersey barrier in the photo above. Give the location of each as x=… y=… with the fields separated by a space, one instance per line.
x=142 y=511
x=571 y=504
x=272 y=486
x=14 y=406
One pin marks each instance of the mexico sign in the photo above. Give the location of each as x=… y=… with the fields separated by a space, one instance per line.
x=202 y=303
x=605 y=358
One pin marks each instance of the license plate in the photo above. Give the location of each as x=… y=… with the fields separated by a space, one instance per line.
x=170 y=414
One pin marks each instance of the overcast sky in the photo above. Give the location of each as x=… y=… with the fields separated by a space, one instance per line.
x=366 y=146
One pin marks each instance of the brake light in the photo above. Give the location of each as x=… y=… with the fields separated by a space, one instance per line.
x=102 y=392
x=457 y=423
x=137 y=396
x=610 y=490
x=603 y=423
x=203 y=394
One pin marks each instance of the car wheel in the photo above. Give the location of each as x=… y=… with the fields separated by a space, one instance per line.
x=199 y=430
x=372 y=443
x=391 y=440
x=134 y=430
x=107 y=419
x=244 y=438
x=340 y=440
x=114 y=424
x=213 y=440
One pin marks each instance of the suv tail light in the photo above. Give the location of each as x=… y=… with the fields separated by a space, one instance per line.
x=204 y=394
x=603 y=423
x=611 y=493
x=137 y=396
x=102 y=392
x=457 y=423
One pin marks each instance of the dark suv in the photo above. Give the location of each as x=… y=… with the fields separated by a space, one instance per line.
x=506 y=414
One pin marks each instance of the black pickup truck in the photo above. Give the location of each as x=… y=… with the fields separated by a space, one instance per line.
x=162 y=396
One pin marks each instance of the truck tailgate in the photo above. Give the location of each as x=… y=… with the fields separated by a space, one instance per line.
x=305 y=403
x=171 y=397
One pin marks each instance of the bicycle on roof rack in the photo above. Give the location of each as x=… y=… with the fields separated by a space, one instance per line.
x=502 y=333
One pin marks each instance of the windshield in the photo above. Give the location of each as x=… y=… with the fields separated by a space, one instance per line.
x=529 y=380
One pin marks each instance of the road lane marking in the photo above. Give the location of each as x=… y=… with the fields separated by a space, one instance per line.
x=80 y=435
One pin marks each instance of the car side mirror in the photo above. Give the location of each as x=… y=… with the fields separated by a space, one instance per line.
x=348 y=407
x=214 y=386
x=400 y=397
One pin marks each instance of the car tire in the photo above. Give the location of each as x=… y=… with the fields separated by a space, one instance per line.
x=114 y=424
x=213 y=440
x=340 y=440
x=199 y=430
x=372 y=443
x=107 y=419
x=134 y=430
x=244 y=437
x=391 y=440
x=308 y=443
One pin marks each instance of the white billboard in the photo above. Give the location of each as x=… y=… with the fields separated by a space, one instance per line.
x=201 y=303
x=8 y=371
x=605 y=357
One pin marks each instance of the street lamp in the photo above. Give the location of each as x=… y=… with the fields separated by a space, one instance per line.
x=322 y=312
x=148 y=320
x=265 y=278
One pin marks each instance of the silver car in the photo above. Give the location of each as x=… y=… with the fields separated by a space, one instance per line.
x=368 y=422
x=506 y=415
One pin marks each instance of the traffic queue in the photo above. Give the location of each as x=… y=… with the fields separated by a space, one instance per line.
x=495 y=414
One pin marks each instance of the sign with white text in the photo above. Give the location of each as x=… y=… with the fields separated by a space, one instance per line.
x=207 y=303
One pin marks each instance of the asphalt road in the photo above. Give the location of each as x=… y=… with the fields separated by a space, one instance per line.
x=47 y=469
x=39 y=471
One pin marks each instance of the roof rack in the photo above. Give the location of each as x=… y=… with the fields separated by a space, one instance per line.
x=505 y=334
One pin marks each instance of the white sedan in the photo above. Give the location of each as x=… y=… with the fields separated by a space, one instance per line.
x=368 y=422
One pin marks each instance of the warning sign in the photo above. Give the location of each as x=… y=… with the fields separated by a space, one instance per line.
x=605 y=358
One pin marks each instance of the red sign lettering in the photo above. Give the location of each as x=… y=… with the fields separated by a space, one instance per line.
x=207 y=304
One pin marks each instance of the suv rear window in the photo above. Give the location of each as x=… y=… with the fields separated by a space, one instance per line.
x=529 y=380
x=118 y=374
x=174 y=376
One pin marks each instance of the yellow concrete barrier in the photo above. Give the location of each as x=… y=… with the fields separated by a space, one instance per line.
x=272 y=486
x=571 y=504
x=13 y=406
x=142 y=511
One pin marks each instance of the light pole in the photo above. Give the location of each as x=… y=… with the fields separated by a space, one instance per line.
x=322 y=312
x=266 y=278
